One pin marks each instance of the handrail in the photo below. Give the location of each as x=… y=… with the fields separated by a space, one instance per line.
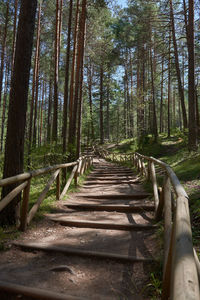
x=181 y=268
x=80 y=166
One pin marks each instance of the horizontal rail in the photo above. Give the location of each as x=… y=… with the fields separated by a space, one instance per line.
x=8 y=198
x=28 y=175
x=81 y=165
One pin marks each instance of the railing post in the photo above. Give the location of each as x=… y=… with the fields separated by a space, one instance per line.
x=167 y=217
x=58 y=187
x=168 y=268
x=149 y=171
x=155 y=187
x=24 y=207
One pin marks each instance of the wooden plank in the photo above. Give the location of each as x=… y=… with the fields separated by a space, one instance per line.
x=33 y=293
x=120 y=208
x=8 y=198
x=84 y=253
x=42 y=196
x=68 y=182
x=101 y=225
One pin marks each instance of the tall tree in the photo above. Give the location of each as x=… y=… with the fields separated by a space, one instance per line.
x=178 y=73
x=14 y=148
x=66 y=90
x=3 y=48
x=192 y=139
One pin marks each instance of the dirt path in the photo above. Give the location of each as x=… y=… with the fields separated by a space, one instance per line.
x=99 y=243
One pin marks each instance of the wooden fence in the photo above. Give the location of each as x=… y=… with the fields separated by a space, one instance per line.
x=181 y=266
x=24 y=180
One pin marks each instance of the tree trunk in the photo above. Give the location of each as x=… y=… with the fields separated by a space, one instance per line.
x=14 y=32
x=192 y=139
x=155 y=128
x=79 y=129
x=4 y=104
x=161 y=96
x=80 y=53
x=35 y=71
x=178 y=73
x=56 y=67
x=71 y=94
x=14 y=149
x=108 y=110
x=3 y=49
x=169 y=89
x=66 y=91
x=90 y=75
x=49 y=119
x=101 y=107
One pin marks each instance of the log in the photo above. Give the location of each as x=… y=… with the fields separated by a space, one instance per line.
x=33 y=293
x=197 y=263
x=119 y=208
x=8 y=198
x=101 y=225
x=184 y=279
x=41 y=197
x=82 y=253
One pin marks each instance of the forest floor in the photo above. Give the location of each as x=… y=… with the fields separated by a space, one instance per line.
x=90 y=278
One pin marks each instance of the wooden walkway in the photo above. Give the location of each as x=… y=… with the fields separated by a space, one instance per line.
x=101 y=243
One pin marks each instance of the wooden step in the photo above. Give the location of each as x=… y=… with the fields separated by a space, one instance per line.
x=83 y=253
x=110 y=182
x=118 y=208
x=111 y=178
x=115 y=196
x=10 y=289
x=101 y=225
x=112 y=172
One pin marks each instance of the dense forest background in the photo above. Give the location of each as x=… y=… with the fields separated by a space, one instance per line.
x=98 y=73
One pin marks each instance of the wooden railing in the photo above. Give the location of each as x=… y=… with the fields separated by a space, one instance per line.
x=181 y=267
x=24 y=180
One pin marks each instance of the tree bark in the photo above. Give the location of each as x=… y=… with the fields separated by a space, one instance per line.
x=14 y=149
x=56 y=67
x=66 y=91
x=35 y=71
x=14 y=32
x=178 y=73
x=101 y=106
x=71 y=94
x=80 y=53
x=3 y=49
x=169 y=90
x=192 y=138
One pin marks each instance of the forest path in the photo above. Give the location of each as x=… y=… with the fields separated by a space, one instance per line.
x=99 y=243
